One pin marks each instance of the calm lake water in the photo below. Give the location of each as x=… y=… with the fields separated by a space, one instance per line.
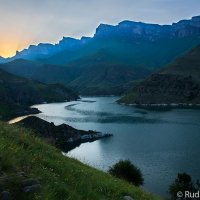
x=161 y=144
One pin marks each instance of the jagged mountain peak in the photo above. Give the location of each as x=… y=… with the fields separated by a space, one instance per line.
x=71 y=39
x=124 y=31
x=67 y=39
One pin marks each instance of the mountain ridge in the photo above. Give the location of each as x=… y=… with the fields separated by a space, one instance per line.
x=100 y=71
x=133 y=47
x=17 y=94
x=177 y=83
x=141 y=28
x=179 y=29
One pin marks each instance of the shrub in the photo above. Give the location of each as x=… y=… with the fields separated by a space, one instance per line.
x=124 y=169
x=183 y=183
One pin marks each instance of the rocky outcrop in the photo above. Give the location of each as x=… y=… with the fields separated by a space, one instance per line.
x=125 y=30
x=5 y=195
x=127 y=198
x=18 y=184
x=62 y=136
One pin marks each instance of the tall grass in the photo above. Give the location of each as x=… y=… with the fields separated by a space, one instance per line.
x=62 y=178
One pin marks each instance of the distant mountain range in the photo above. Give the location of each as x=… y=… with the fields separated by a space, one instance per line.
x=178 y=82
x=99 y=74
x=107 y=62
x=136 y=34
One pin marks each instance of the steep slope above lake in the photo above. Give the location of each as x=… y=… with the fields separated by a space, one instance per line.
x=17 y=94
x=178 y=83
x=24 y=156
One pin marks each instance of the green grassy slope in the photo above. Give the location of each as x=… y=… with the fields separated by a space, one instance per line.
x=187 y=65
x=60 y=177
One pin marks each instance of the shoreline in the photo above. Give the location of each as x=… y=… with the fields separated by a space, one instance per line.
x=163 y=105
x=18 y=119
x=63 y=136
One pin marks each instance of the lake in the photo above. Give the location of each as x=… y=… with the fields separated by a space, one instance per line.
x=161 y=144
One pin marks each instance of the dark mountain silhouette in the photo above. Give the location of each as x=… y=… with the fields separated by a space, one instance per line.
x=179 y=82
x=17 y=94
x=99 y=74
x=46 y=73
x=131 y=41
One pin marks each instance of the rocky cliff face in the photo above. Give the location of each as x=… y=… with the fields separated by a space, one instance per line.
x=125 y=30
x=139 y=30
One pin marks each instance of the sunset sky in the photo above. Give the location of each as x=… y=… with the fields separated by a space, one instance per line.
x=24 y=22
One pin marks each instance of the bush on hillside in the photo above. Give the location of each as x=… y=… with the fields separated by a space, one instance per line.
x=183 y=183
x=124 y=169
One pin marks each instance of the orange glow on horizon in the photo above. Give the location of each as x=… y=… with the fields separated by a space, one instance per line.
x=8 y=47
x=8 y=50
x=6 y=53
